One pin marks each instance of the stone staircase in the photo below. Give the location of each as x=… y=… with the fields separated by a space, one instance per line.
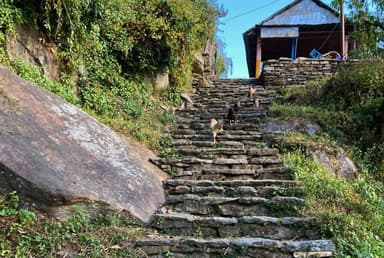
x=233 y=198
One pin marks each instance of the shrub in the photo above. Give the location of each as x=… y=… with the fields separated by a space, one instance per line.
x=22 y=234
x=349 y=107
x=351 y=212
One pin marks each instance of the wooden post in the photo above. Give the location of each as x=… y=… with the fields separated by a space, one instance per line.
x=346 y=46
x=343 y=54
x=258 y=58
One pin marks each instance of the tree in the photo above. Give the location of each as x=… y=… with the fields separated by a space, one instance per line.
x=367 y=16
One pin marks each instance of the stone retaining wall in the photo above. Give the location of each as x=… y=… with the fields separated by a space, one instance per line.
x=285 y=72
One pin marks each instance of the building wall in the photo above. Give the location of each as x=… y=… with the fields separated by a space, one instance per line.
x=285 y=72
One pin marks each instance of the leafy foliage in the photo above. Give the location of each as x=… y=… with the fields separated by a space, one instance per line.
x=22 y=234
x=130 y=37
x=107 y=46
x=367 y=18
x=350 y=107
x=9 y=16
x=34 y=74
x=352 y=212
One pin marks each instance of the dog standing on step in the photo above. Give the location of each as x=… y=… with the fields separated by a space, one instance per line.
x=233 y=111
x=256 y=101
x=217 y=126
x=251 y=92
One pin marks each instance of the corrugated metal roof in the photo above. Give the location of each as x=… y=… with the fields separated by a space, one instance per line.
x=303 y=12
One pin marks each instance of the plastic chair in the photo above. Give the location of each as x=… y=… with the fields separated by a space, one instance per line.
x=315 y=54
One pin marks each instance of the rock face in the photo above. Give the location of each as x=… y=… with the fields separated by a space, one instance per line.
x=30 y=45
x=296 y=124
x=204 y=64
x=159 y=81
x=338 y=162
x=53 y=153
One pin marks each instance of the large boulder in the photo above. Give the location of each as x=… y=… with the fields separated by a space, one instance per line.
x=56 y=155
x=337 y=161
x=299 y=125
x=333 y=158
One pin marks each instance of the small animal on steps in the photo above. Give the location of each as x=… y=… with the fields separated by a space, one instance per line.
x=233 y=112
x=217 y=126
x=257 y=102
x=251 y=92
x=186 y=100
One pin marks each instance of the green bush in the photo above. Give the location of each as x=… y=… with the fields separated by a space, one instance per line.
x=351 y=212
x=9 y=16
x=22 y=234
x=105 y=47
x=133 y=36
x=355 y=85
x=349 y=107
x=35 y=75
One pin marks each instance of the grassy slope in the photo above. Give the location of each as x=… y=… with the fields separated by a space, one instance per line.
x=347 y=107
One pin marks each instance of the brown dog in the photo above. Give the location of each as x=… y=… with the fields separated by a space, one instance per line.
x=257 y=102
x=217 y=126
x=251 y=91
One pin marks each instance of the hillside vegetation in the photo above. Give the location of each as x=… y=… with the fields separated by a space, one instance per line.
x=350 y=108
x=107 y=46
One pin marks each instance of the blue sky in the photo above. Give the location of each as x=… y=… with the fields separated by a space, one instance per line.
x=242 y=15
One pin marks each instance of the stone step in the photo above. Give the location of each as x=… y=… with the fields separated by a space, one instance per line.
x=225 y=153
x=228 y=132
x=253 y=121
x=222 y=112
x=209 y=103
x=210 y=152
x=235 y=193
x=243 y=247
x=247 y=226
x=205 y=126
x=239 y=188
x=226 y=173
x=240 y=160
x=180 y=143
x=225 y=136
x=231 y=88
x=224 y=144
x=221 y=101
x=233 y=206
x=250 y=152
x=194 y=160
x=242 y=94
x=228 y=91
